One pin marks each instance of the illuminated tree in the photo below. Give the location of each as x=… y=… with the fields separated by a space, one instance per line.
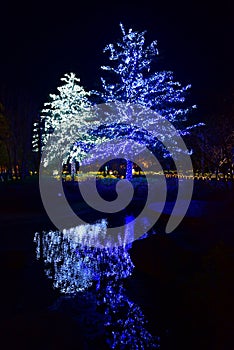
x=65 y=115
x=130 y=80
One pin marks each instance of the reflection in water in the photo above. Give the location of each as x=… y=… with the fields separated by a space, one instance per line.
x=76 y=267
x=125 y=321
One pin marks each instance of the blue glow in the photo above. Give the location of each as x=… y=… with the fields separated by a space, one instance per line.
x=77 y=268
x=74 y=266
x=129 y=79
x=125 y=322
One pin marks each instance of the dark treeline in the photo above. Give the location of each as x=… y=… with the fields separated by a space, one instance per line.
x=17 y=113
x=213 y=144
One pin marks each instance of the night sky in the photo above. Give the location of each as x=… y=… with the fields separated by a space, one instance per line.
x=40 y=42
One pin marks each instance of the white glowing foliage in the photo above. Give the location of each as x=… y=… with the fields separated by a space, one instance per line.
x=70 y=107
x=36 y=139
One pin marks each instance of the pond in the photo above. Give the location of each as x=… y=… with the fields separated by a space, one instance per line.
x=90 y=280
x=58 y=293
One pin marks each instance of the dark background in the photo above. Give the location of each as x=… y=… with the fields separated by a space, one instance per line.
x=42 y=41
x=39 y=42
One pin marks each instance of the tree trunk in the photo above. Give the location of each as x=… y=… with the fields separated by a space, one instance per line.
x=129 y=169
